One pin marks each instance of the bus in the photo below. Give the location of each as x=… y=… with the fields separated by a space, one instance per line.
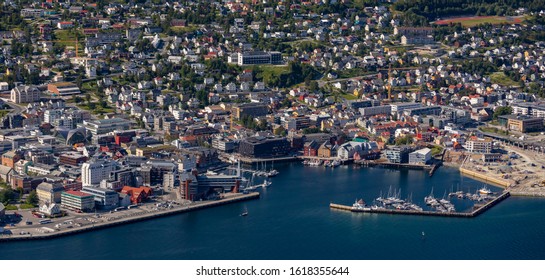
x=46 y=221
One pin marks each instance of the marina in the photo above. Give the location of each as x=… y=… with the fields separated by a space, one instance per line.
x=478 y=209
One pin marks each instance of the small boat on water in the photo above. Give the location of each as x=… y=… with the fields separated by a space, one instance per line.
x=272 y=173
x=485 y=190
x=359 y=204
x=244 y=213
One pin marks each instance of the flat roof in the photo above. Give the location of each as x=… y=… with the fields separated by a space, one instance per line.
x=77 y=193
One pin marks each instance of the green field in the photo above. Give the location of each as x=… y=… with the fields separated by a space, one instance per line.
x=67 y=39
x=184 y=29
x=501 y=79
x=268 y=71
x=474 y=21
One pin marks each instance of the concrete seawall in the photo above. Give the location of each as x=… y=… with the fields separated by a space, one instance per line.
x=147 y=216
x=483 y=177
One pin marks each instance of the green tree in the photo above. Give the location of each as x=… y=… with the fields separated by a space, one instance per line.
x=32 y=198
x=500 y=111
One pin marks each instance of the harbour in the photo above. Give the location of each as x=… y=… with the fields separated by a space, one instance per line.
x=292 y=216
x=44 y=232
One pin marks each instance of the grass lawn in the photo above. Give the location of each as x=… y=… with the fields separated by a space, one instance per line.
x=501 y=79
x=97 y=110
x=26 y=206
x=348 y=96
x=269 y=71
x=493 y=130
x=356 y=72
x=11 y=207
x=67 y=39
x=184 y=29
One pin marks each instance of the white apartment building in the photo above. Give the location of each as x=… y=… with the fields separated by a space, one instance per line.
x=94 y=172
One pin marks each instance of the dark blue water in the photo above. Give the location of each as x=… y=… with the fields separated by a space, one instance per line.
x=292 y=220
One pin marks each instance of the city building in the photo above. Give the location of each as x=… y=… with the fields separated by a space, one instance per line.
x=63 y=89
x=296 y=122
x=522 y=123
x=422 y=156
x=103 y=126
x=78 y=201
x=25 y=94
x=224 y=144
x=375 y=110
x=72 y=158
x=480 y=146
x=137 y=195
x=400 y=107
x=104 y=198
x=262 y=147
x=250 y=109
x=398 y=154
x=49 y=192
x=259 y=57
x=10 y=158
x=92 y=173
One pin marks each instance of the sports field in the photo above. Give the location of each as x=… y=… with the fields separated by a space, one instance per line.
x=476 y=20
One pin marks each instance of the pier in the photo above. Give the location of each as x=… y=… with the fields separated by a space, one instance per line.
x=372 y=163
x=476 y=211
x=53 y=233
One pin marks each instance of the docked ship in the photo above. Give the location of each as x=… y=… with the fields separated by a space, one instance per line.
x=485 y=190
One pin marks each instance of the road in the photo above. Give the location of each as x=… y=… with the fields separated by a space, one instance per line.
x=321 y=83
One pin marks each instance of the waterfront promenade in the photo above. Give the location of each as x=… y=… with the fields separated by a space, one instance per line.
x=81 y=223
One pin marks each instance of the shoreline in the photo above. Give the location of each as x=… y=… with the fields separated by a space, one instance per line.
x=133 y=219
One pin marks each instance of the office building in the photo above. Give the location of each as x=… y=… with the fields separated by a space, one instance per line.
x=259 y=57
x=103 y=126
x=250 y=109
x=422 y=156
x=104 y=198
x=94 y=172
x=78 y=201
x=262 y=147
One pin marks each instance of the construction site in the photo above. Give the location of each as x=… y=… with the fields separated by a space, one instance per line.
x=521 y=172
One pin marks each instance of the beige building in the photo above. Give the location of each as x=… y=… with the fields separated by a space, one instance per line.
x=49 y=192
x=25 y=94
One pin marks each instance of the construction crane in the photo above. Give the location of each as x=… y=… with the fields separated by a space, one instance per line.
x=390 y=77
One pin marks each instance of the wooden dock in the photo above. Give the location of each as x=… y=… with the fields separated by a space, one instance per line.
x=476 y=212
